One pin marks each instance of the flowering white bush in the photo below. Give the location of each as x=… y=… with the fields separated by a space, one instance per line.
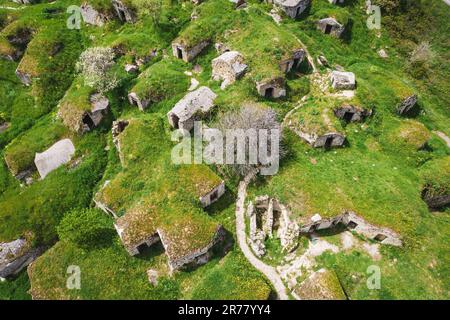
x=95 y=66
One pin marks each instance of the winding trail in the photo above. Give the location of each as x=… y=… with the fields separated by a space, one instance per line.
x=267 y=270
x=442 y=135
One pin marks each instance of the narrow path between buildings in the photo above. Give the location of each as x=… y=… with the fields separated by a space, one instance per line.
x=267 y=270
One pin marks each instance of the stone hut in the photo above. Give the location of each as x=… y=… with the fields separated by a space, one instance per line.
x=271 y=88
x=331 y=26
x=293 y=8
x=139 y=230
x=407 y=104
x=125 y=13
x=336 y=1
x=353 y=222
x=92 y=16
x=51 y=159
x=134 y=99
x=14 y=44
x=16 y=255
x=352 y=113
x=212 y=195
x=192 y=106
x=341 y=80
x=297 y=58
x=188 y=52
x=83 y=118
x=327 y=140
x=228 y=67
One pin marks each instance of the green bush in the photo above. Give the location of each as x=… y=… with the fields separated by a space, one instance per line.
x=86 y=228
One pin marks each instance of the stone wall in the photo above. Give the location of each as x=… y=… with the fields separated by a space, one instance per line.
x=188 y=53
x=206 y=199
x=357 y=224
x=276 y=86
x=92 y=16
x=134 y=99
x=331 y=26
x=16 y=255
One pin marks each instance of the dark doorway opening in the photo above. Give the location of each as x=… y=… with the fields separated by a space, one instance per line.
x=352 y=225
x=380 y=237
x=328 y=142
x=179 y=53
x=175 y=121
x=213 y=197
x=121 y=14
x=296 y=62
x=142 y=247
x=299 y=11
x=328 y=28
x=348 y=116
x=268 y=93
x=87 y=120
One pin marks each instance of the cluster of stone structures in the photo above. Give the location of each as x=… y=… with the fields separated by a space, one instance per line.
x=16 y=255
x=191 y=107
x=266 y=216
x=228 y=67
x=353 y=222
x=140 y=228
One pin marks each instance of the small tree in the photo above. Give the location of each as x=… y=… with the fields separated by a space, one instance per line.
x=252 y=116
x=95 y=65
x=86 y=228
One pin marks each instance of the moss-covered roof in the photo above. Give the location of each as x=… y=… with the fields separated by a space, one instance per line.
x=161 y=80
x=409 y=134
x=317 y=116
x=321 y=285
x=151 y=185
x=19 y=154
x=75 y=104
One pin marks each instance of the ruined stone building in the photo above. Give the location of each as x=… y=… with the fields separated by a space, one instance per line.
x=83 y=117
x=191 y=107
x=138 y=230
x=124 y=13
x=331 y=26
x=293 y=8
x=320 y=285
x=268 y=217
x=341 y=80
x=355 y=223
x=187 y=52
x=293 y=62
x=407 y=104
x=14 y=41
x=271 y=88
x=51 y=159
x=352 y=113
x=317 y=128
x=228 y=67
